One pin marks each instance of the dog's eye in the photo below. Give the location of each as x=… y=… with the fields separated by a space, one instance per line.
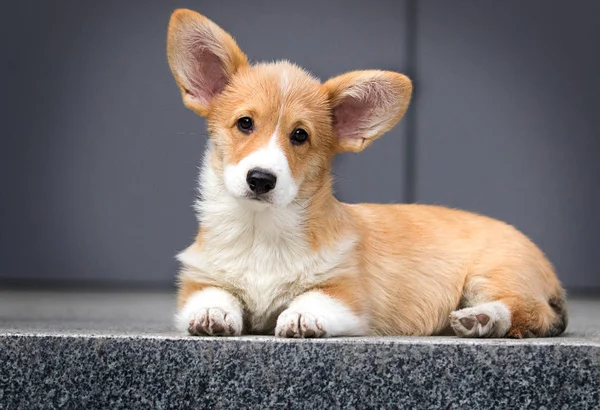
x=299 y=136
x=245 y=124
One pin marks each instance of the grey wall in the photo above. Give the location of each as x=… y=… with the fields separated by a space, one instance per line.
x=98 y=155
x=507 y=120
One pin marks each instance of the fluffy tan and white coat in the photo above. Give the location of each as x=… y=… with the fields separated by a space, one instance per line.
x=285 y=257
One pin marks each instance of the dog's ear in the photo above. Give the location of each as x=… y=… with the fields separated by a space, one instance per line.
x=366 y=104
x=202 y=57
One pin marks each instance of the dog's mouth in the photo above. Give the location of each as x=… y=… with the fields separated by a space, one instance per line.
x=266 y=199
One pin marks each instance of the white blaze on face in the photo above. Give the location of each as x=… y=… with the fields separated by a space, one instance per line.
x=270 y=158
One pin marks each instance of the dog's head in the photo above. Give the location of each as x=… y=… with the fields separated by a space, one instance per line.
x=274 y=127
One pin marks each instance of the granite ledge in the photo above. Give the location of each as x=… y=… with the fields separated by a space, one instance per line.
x=75 y=351
x=41 y=371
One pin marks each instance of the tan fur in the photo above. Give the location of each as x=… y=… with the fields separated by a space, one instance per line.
x=347 y=289
x=186 y=288
x=423 y=262
x=413 y=264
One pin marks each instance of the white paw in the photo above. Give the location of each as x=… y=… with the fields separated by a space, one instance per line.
x=299 y=325
x=215 y=322
x=211 y=311
x=485 y=320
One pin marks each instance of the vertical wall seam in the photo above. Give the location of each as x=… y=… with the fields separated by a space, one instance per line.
x=410 y=158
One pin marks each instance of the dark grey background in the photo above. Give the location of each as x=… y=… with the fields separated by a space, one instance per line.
x=99 y=157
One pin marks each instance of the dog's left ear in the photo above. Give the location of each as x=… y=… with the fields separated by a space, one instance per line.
x=203 y=58
x=366 y=104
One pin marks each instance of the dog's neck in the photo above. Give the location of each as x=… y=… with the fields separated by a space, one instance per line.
x=312 y=221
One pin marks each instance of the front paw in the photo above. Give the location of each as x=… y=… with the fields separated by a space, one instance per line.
x=299 y=325
x=215 y=322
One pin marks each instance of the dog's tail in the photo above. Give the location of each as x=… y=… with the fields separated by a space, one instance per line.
x=558 y=303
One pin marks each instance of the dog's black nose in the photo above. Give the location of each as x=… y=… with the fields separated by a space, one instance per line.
x=260 y=181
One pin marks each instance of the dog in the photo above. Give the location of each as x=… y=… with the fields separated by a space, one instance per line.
x=277 y=253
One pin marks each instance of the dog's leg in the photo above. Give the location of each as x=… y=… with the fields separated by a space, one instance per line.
x=510 y=302
x=319 y=313
x=209 y=311
x=513 y=317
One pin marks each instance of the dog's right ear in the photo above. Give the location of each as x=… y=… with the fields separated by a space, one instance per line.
x=366 y=104
x=202 y=56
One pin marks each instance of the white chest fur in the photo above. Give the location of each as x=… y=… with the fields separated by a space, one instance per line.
x=261 y=256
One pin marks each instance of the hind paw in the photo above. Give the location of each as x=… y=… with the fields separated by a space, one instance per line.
x=485 y=320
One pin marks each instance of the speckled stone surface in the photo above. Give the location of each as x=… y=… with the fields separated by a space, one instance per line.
x=90 y=351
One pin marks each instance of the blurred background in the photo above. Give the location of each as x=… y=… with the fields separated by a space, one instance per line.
x=99 y=157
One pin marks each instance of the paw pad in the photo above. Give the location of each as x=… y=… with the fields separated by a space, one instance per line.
x=483 y=318
x=299 y=325
x=468 y=323
x=214 y=322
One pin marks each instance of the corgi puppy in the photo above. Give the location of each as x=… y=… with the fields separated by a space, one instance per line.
x=277 y=253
